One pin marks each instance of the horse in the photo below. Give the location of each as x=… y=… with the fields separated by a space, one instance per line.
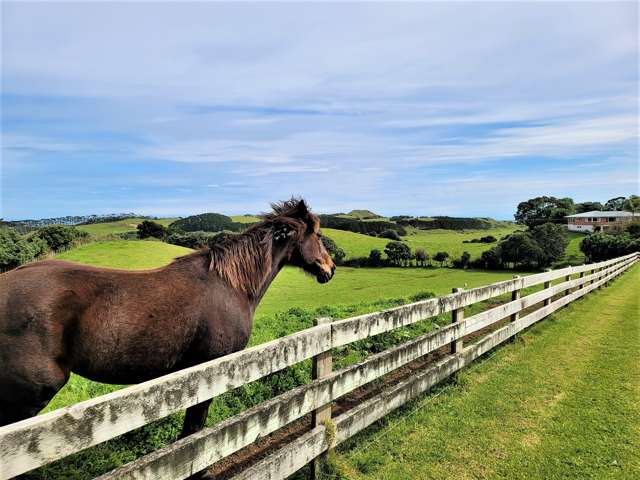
x=124 y=327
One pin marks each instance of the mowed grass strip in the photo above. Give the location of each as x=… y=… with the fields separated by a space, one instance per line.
x=560 y=402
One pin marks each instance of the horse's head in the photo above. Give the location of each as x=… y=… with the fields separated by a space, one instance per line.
x=297 y=230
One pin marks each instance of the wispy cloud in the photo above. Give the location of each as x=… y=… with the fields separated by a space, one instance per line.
x=352 y=105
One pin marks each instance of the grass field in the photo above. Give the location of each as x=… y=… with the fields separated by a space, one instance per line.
x=129 y=254
x=119 y=226
x=245 y=218
x=433 y=241
x=291 y=304
x=561 y=402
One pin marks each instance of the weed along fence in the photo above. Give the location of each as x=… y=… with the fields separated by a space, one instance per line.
x=37 y=441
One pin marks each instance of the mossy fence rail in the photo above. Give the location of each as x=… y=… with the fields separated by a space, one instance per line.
x=39 y=440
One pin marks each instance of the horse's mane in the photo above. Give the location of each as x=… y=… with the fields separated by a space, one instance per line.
x=244 y=260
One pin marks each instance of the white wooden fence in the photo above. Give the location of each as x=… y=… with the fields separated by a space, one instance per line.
x=39 y=440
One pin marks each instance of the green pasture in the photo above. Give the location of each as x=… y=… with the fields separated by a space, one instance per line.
x=559 y=403
x=246 y=218
x=128 y=254
x=433 y=241
x=119 y=226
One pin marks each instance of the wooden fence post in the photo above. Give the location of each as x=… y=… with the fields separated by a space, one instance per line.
x=568 y=290
x=582 y=284
x=547 y=284
x=322 y=366
x=457 y=315
x=515 y=295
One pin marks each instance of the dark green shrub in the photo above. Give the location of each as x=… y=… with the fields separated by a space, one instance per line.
x=16 y=249
x=150 y=229
x=58 y=237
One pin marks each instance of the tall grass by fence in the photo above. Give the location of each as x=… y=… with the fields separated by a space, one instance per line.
x=37 y=441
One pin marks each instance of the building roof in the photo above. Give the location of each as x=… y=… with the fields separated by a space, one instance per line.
x=598 y=213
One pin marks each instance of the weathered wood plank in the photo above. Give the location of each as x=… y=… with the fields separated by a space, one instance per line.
x=322 y=366
x=457 y=316
x=39 y=440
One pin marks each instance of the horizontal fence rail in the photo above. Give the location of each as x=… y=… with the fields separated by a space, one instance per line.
x=37 y=441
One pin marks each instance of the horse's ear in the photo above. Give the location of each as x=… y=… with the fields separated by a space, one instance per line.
x=302 y=211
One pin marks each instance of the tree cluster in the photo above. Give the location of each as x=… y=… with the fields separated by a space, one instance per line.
x=17 y=249
x=540 y=210
x=538 y=247
x=207 y=222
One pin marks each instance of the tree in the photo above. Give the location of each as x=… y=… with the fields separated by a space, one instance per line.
x=463 y=262
x=149 y=229
x=614 y=204
x=552 y=240
x=520 y=248
x=58 y=237
x=336 y=253
x=632 y=204
x=539 y=210
x=441 y=257
x=588 y=207
x=375 y=258
x=398 y=253
x=421 y=256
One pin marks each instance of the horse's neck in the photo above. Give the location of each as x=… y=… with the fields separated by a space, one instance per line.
x=269 y=277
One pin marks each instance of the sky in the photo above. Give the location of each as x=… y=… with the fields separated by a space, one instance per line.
x=461 y=109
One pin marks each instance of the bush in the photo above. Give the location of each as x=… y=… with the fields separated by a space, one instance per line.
x=207 y=222
x=486 y=239
x=462 y=262
x=604 y=246
x=634 y=230
x=375 y=258
x=16 y=249
x=58 y=237
x=150 y=229
x=441 y=257
x=390 y=234
x=520 y=248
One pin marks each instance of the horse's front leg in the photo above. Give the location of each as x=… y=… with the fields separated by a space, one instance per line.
x=195 y=418
x=194 y=421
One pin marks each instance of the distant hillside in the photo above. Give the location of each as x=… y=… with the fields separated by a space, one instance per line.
x=449 y=223
x=27 y=225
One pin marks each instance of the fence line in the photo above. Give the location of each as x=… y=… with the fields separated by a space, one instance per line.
x=39 y=440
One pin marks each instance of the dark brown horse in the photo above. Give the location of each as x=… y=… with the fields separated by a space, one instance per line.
x=119 y=326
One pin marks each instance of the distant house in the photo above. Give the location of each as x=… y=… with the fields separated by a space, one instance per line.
x=597 y=221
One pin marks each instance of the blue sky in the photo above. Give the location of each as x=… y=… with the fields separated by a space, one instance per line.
x=418 y=108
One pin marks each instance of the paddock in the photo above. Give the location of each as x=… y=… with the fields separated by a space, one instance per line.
x=37 y=441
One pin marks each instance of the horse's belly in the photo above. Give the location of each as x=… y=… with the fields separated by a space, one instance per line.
x=128 y=353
